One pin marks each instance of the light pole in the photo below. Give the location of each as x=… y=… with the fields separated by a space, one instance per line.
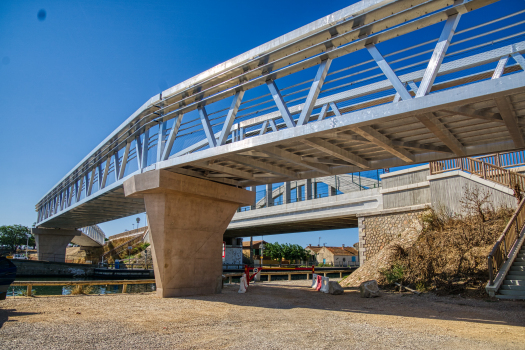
x=138 y=220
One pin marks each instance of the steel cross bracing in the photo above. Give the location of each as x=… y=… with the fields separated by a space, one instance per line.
x=439 y=99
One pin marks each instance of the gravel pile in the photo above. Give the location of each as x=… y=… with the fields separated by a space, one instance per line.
x=275 y=315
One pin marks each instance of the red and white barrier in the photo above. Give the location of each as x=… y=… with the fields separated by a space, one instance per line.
x=324 y=282
x=314 y=281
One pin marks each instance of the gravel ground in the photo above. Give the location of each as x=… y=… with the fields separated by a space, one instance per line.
x=275 y=315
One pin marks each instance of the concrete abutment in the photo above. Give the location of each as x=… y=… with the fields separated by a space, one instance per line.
x=51 y=244
x=187 y=219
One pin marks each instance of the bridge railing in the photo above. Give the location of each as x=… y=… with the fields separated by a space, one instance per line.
x=482 y=168
x=500 y=252
x=184 y=118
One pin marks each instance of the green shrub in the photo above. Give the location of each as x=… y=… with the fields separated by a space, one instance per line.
x=394 y=274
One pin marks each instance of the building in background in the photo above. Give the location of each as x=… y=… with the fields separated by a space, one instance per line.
x=334 y=256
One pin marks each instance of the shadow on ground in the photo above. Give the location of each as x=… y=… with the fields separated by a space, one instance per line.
x=6 y=313
x=430 y=306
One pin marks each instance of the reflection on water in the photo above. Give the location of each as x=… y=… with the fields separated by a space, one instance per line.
x=66 y=290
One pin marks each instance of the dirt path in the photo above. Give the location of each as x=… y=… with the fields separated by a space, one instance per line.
x=276 y=315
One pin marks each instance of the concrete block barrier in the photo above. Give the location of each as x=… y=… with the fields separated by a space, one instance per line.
x=324 y=287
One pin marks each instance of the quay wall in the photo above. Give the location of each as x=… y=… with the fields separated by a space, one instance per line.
x=31 y=268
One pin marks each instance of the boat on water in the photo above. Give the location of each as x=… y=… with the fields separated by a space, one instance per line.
x=7 y=276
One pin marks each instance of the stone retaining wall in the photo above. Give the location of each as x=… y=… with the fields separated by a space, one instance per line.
x=376 y=231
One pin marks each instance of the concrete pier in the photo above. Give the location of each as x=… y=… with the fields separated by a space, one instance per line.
x=187 y=219
x=51 y=243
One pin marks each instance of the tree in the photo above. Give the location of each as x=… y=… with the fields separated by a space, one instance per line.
x=13 y=236
x=274 y=251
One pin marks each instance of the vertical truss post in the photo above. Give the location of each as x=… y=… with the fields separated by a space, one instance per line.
x=315 y=89
x=207 y=127
x=438 y=55
x=79 y=188
x=287 y=192
x=104 y=178
x=160 y=139
x=145 y=148
x=308 y=189
x=91 y=180
x=138 y=151
x=116 y=166
x=124 y=161
x=70 y=194
x=281 y=105
x=254 y=189
x=230 y=118
x=389 y=72
x=269 y=195
x=172 y=136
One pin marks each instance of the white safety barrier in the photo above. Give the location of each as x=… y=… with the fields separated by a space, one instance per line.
x=324 y=287
x=243 y=284
x=314 y=281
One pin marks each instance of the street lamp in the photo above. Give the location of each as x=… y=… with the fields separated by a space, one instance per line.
x=138 y=220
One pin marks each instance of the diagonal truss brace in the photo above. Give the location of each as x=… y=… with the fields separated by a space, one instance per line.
x=442 y=133
x=315 y=89
x=230 y=118
x=281 y=105
x=438 y=55
x=207 y=127
x=389 y=72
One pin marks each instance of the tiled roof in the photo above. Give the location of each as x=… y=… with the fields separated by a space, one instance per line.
x=246 y=244
x=342 y=251
x=315 y=249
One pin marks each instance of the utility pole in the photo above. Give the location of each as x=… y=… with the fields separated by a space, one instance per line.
x=319 y=242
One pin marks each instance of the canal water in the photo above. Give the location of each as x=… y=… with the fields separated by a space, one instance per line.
x=15 y=291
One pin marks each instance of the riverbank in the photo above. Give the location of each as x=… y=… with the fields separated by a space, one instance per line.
x=272 y=315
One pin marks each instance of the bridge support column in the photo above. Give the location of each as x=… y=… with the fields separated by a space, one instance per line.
x=308 y=189
x=269 y=195
x=51 y=243
x=187 y=219
x=287 y=192
x=254 y=204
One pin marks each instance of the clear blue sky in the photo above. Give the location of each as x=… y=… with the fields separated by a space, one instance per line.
x=69 y=78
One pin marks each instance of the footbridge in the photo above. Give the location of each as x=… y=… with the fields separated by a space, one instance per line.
x=380 y=83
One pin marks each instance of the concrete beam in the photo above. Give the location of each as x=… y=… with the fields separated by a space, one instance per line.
x=505 y=109
x=336 y=151
x=439 y=129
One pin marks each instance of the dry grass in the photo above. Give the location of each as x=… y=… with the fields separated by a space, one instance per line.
x=450 y=254
x=77 y=290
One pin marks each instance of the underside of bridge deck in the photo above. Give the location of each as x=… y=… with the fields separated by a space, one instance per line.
x=349 y=221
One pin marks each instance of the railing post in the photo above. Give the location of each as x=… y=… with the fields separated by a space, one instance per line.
x=483 y=170
x=124 y=287
x=29 y=290
x=491 y=271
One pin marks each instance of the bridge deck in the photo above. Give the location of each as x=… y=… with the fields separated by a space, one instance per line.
x=394 y=118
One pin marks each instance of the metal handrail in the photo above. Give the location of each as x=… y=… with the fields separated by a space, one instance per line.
x=483 y=169
x=500 y=252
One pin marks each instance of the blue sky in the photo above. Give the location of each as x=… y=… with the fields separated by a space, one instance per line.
x=66 y=82
x=70 y=79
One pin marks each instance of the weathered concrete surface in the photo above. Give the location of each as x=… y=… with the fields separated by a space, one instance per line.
x=187 y=219
x=51 y=243
x=30 y=268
